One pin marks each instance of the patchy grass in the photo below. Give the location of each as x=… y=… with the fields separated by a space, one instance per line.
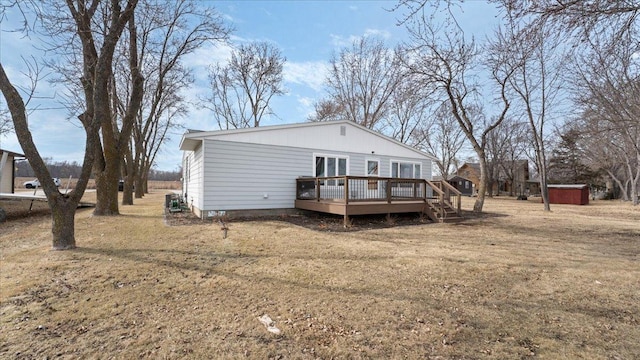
x=514 y=283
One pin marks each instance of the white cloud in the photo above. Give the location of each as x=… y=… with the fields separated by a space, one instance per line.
x=306 y=101
x=341 y=41
x=344 y=41
x=306 y=106
x=384 y=34
x=206 y=55
x=311 y=73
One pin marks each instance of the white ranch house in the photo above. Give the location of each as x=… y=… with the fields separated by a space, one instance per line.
x=254 y=170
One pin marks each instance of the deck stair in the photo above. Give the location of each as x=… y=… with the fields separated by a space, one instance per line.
x=443 y=213
x=441 y=206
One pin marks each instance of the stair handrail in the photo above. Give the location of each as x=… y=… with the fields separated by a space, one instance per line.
x=450 y=188
x=441 y=197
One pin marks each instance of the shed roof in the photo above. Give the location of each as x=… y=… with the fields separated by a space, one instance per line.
x=316 y=135
x=567 y=186
x=14 y=154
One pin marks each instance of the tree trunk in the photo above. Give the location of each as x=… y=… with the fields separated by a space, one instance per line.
x=542 y=171
x=622 y=189
x=127 y=191
x=139 y=187
x=63 y=223
x=129 y=177
x=107 y=190
x=145 y=182
x=137 y=165
x=482 y=186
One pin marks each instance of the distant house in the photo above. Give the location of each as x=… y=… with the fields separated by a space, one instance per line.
x=511 y=179
x=7 y=170
x=471 y=172
x=465 y=186
x=254 y=170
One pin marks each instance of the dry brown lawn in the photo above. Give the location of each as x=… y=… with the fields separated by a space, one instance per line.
x=515 y=283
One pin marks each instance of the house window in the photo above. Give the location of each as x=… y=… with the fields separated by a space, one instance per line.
x=373 y=169
x=327 y=166
x=405 y=170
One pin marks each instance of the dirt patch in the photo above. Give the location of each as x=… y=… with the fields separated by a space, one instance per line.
x=310 y=220
x=518 y=283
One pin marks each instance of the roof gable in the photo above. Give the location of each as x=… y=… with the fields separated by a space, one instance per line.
x=330 y=136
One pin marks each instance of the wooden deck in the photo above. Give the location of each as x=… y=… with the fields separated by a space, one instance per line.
x=349 y=195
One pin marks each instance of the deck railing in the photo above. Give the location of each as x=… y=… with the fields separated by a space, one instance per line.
x=350 y=189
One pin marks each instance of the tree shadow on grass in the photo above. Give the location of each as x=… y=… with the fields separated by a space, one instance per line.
x=211 y=263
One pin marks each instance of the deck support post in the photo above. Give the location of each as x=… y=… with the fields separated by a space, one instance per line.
x=347 y=221
x=346 y=190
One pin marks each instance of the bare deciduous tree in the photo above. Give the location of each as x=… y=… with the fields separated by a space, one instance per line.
x=167 y=32
x=512 y=137
x=534 y=51
x=74 y=40
x=607 y=91
x=361 y=81
x=116 y=131
x=407 y=112
x=243 y=89
x=580 y=18
x=96 y=75
x=445 y=60
x=327 y=110
x=442 y=137
x=496 y=154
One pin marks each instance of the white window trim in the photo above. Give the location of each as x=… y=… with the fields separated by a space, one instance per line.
x=326 y=155
x=413 y=163
x=366 y=166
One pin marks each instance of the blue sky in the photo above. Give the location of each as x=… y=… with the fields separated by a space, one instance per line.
x=307 y=32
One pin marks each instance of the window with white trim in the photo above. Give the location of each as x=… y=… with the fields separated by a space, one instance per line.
x=373 y=169
x=329 y=165
x=405 y=170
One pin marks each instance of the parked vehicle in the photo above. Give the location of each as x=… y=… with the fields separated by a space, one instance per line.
x=121 y=185
x=36 y=183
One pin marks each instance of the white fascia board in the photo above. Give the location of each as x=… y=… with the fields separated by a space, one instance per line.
x=293 y=135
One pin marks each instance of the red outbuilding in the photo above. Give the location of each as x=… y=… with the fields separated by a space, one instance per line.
x=577 y=194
